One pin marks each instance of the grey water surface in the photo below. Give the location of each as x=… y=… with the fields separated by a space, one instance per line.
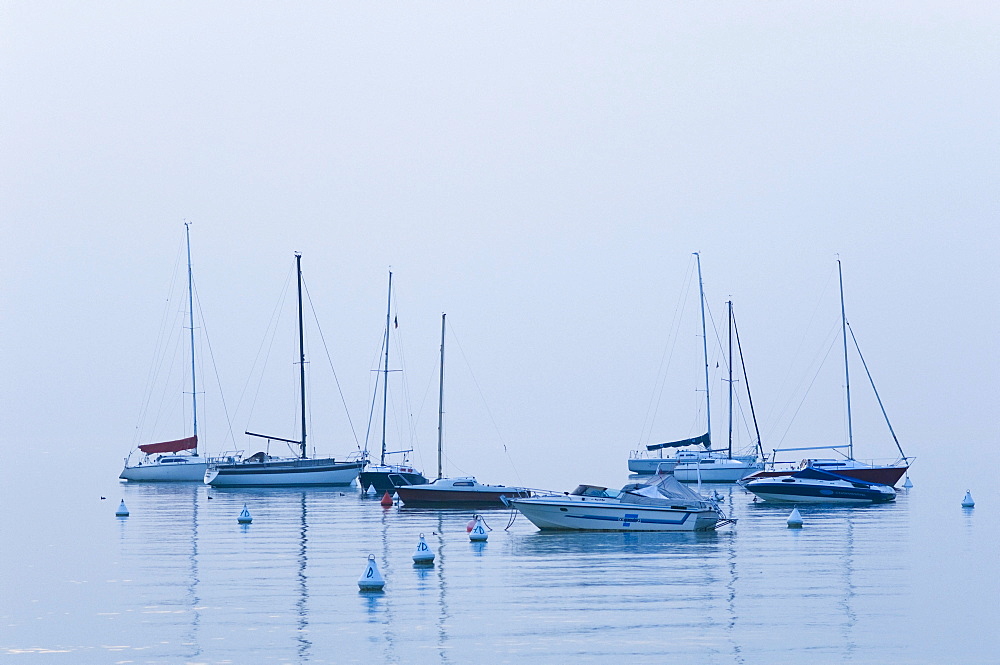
x=179 y=581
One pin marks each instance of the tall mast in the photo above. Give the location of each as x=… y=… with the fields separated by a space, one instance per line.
x=704 y=345
x=385 y=370
x=302 y=355
x=730 y=304
x=194 y=384
x=847 y=372
x=441 y=400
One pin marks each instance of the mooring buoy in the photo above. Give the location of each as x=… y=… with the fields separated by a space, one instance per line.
x=244 y=517
x=423 y=554
x=386 y=500
x=371 y=579
x=122 y=510
x=795 y=519
x=478 y=533
x=967 y=502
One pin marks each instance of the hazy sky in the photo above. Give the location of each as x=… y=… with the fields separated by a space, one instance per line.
x=541 y=172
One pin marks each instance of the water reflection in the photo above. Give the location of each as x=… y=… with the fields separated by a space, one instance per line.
x=301 y=604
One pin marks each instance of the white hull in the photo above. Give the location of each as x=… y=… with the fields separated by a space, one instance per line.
x=716 y=471
x=595 y=515
x=650 y=465
x=293 y=473
x=165 y=473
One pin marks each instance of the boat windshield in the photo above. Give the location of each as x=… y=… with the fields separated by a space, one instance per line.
x=593 y=490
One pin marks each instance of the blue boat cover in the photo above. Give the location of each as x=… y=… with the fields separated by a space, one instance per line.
x=812 y=473
x=702 y=440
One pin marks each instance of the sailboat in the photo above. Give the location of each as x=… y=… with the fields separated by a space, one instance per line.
x=718 y=469
x=708 y=464
x=464 y=491
x=177 y=460
x=387 y=477
x=870 y=472
x=263 y=470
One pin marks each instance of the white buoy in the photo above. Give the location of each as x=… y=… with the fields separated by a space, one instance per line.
x=122 y=510
x=244 y=517
x=795 y=519
x=371 y=579
x=423 y=553
x=907 y=483
x=478 y=533
x=967 y=502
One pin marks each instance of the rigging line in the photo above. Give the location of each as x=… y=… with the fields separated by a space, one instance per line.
x=451 y=329
x=817 y=361
x=374 y=374
x=215 y=367
x=875 y=390
x=829 y=348
x=329 y=358
x=272 y=330
x=660 y=380
x=773 y=419
x=159 y=352
x=746 y=382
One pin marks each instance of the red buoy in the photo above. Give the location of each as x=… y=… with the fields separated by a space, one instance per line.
x=386 y=499
x=471 y=525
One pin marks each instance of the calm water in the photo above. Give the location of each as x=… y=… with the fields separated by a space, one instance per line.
x=179 y=581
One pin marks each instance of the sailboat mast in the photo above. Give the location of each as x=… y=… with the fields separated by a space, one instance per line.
x=730 y=304
x=441 y=401
x=847 y=371
x=194 y=380
x=385 y=369
x=704 y=344
x=302 y=355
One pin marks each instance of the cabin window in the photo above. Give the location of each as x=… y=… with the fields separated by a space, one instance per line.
x=463 y=484
x=788 y=480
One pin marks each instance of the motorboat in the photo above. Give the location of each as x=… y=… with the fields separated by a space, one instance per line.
x=815 y=485
x=263 y=470
x=885 y=473
x=663 y=505
x=460 y=491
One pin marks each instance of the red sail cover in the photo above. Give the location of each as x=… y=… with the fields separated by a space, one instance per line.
x=170 y=446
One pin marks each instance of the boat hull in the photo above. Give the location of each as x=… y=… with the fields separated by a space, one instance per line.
x=165 y=473
x=383 y=481
x=716 y=471
x=566 y=515
x=295 y=473
x=443 y=498
x=651 y=465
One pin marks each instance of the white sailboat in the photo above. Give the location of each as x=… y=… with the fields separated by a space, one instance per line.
x=708 y=465
x=264 y=470
x=177 y=460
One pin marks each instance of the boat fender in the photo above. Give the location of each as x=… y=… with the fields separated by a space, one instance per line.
x=371 y=579
x=423 y=555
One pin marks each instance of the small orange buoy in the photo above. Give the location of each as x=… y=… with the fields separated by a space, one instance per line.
x=386 y=499
x=471 y=525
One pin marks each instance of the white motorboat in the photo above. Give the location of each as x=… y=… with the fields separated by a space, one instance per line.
x=663 y=505
x=263 y=470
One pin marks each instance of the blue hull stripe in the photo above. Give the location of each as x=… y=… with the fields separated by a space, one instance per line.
x=628 y=519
